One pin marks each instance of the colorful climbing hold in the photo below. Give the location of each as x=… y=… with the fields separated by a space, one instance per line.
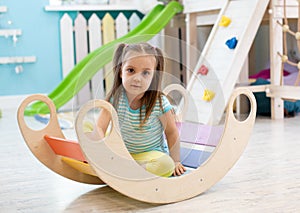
x=208 y=95
x=203 y=70
x=225 y=21
x=231 y=43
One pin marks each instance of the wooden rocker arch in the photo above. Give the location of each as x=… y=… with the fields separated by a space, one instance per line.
x=115 y=166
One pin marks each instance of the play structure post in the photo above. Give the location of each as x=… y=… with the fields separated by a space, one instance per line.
x=276 y=44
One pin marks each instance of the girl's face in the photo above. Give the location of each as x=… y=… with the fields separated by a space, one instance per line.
x=137 y=73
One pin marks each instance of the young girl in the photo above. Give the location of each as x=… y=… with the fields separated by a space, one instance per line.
x=144 y=113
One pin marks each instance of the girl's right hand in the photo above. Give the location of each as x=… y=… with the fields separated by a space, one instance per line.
x=179 y=169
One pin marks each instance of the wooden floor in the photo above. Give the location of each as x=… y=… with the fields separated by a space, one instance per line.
x=265 y=179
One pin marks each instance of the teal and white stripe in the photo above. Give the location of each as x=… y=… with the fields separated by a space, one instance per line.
x=142 y=139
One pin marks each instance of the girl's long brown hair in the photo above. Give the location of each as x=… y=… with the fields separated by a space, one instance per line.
x=153 y=93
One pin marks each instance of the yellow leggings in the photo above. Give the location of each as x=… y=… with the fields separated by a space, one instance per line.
x=156 y=162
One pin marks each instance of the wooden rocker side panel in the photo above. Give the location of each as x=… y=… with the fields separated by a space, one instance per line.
x=40 y=148
x=127 y=177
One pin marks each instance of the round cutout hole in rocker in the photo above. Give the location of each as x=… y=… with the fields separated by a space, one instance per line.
x=37 y=122
x=241 y=108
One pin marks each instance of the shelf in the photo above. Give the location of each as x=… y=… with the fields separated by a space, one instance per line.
x=17 y=60
x=10 y=32
x=86 y=7
x=3 y=9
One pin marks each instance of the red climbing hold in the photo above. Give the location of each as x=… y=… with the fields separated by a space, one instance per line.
x=203 y=70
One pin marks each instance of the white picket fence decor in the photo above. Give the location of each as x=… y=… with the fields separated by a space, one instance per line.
x=81 y=36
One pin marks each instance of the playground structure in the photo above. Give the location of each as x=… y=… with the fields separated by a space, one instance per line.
x=139 y=184
x=224 y=64
x=278 y=14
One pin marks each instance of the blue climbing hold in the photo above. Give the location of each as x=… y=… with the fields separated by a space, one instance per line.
x=231 y=43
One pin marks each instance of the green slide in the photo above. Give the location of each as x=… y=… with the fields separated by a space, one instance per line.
x=152 y=24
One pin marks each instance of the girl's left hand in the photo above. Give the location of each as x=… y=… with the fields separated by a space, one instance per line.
x=179 y=169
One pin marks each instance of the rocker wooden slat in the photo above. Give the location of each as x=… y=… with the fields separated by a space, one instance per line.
x=64 y=147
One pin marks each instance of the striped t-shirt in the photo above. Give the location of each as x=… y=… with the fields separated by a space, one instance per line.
x=148 y=137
